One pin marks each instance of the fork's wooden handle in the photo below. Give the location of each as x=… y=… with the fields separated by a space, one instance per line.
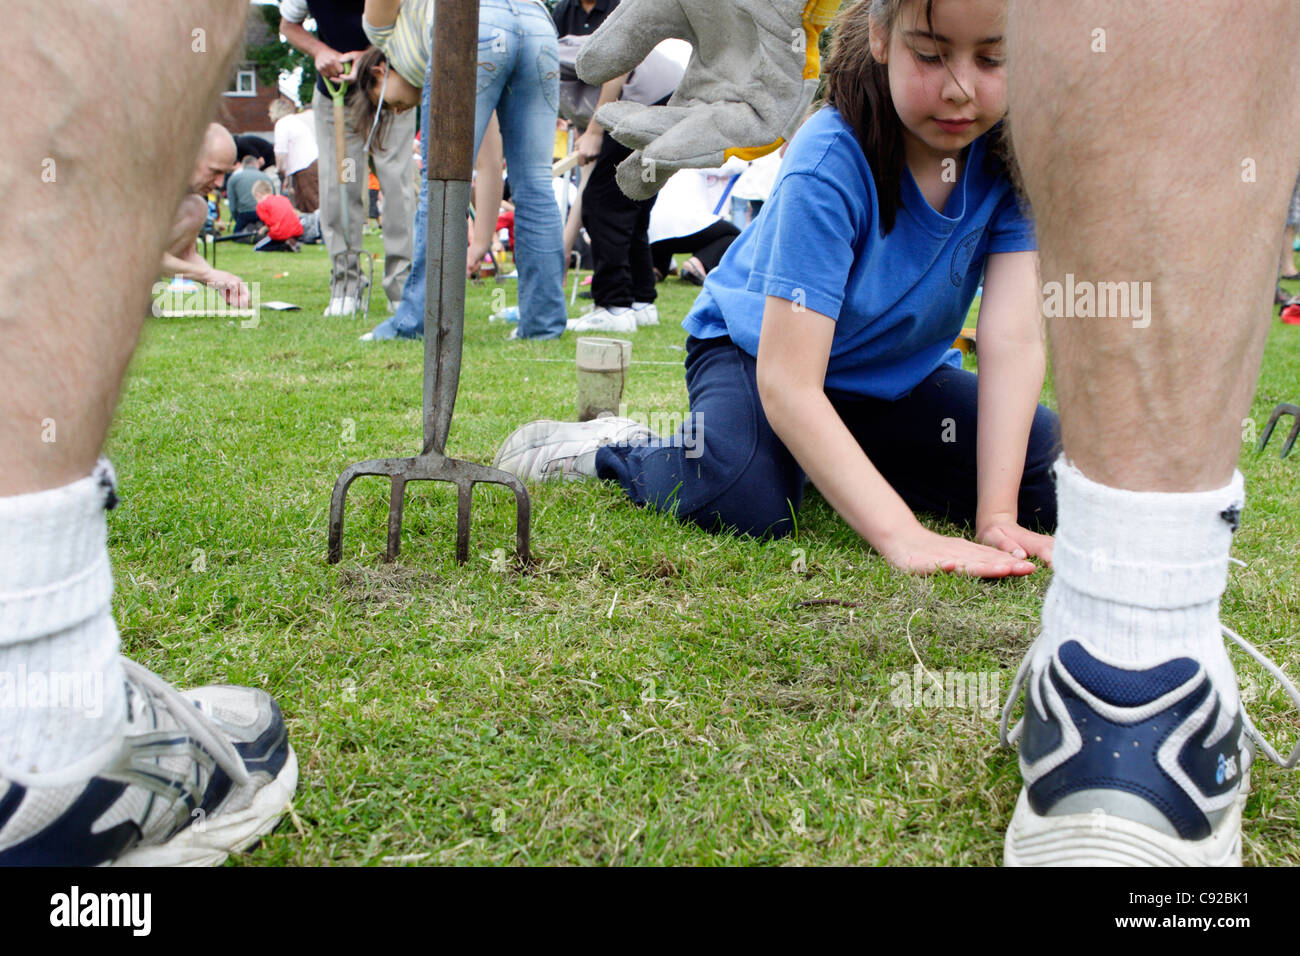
x=455 y=83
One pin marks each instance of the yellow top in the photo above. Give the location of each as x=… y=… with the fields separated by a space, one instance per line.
x=407 y=42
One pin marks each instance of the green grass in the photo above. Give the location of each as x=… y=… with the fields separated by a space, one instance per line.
x=649 y=693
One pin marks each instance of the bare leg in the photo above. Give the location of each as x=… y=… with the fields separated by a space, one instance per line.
x=83 y=234
x=74 y=289
x=190 y=217
x=1137 y=138
x=1131 y=153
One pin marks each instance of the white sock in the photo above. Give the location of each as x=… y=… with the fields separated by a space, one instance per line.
x=1138 y=575
x=641 y=305
x=616 y=309
x=61 y=690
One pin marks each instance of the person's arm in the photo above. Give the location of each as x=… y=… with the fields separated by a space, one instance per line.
x=589 y=143
x=191 y=265
x=181 y=258
x=793 y=350
x=301 y=39
x=488 y=191
x=1012 y=363
x=330 y=63
x=382 y=13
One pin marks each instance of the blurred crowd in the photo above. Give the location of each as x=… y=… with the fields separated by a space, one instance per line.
x=534 y=215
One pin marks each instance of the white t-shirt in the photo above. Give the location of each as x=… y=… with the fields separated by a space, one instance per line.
x=757 y=181
x=686 y=203
x=295 y=138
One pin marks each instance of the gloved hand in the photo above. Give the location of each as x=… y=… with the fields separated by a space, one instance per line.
x=752 y=75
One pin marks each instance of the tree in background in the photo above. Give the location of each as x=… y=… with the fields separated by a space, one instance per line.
x=277 y=57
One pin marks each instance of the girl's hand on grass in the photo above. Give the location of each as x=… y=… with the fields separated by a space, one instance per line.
x=1002 y=532
x=921 y=551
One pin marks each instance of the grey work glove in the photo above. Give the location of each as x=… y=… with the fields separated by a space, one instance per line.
x=752 y=75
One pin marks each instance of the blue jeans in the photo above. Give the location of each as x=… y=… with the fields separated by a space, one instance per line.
x=519 y=77
x=727 y=469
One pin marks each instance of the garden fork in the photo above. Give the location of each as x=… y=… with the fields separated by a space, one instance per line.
x=341 y=285
x=451 y=140
x=1283 y=409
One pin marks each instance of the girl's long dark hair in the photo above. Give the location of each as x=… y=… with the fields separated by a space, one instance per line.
x=361 y=110
x=857 y=85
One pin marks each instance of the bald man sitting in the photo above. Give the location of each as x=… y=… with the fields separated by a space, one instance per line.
x=180 y=258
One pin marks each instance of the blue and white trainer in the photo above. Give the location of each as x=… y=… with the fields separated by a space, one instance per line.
x=1126 y=766
x=1131 y=766
x=193 y=778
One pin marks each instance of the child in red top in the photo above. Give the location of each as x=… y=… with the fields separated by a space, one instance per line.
x=282 y=222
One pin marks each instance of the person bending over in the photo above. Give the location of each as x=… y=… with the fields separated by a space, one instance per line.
x=180 y=257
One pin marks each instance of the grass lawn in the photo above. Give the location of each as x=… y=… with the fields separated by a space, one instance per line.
x=650 y=693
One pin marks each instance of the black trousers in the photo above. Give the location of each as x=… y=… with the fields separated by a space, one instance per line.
x=246 y=221
x=707 y=245
x=618 y=226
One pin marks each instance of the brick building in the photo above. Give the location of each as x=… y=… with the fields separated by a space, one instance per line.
x=246 y=99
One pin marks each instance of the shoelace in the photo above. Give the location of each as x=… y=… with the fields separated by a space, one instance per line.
x=1251 y=730
x=189 y=717
x=1008 y=737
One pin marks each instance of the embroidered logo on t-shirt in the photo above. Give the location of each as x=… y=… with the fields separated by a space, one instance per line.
x=962 y=255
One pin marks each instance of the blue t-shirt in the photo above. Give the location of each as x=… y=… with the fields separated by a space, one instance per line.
x=899 y=300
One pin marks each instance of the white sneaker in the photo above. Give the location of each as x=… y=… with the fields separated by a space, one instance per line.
x=195 y=777
x=342 y=305
x=545 y=450
x=646 y=313
x=603 y=320
x=1130 y=765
